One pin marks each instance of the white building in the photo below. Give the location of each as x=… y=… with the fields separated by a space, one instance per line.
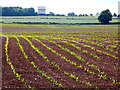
x=41 y=9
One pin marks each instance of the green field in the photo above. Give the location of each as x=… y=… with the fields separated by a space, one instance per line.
x=60 y=26
x=52 y=19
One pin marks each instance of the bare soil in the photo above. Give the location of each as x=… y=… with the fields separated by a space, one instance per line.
x=35 y=79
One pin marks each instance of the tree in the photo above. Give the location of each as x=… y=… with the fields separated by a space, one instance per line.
x=115 y=15
x=105 y=16
x=83 y=15
x=86 y=15
x=80 y=14
x=51 y=13
x=71 y=14
x=18 y=11
x=91 y=14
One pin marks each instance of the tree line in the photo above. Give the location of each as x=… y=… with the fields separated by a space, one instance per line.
x=18 y=11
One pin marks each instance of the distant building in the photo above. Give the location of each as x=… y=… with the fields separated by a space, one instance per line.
x=41 y=10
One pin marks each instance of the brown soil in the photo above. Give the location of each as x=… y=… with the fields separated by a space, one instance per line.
x=8 y=78
x=35 y=79
x=90 y=59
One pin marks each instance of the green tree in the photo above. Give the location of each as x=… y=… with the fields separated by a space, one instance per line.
x=51 y=13
x=91 y=14
x=71 y=14
x=18 y=11
x=105 y=16
x=114 y=15
x=86 y=15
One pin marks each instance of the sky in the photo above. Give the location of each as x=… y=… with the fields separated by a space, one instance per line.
x=66 y=6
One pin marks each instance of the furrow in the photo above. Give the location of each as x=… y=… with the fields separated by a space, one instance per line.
x=89 y=53
x=86 y=69
x=103 y=76
x=8 y=60
x=62 y=71
x=37 y=68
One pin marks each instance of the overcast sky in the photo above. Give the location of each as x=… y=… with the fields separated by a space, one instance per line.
x=66 y=6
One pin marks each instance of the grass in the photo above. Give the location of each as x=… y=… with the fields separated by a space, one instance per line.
x=60 y=26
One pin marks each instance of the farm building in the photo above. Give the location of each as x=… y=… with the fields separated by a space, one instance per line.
x=41 y=10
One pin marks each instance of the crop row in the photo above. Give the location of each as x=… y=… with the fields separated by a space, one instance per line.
x=102 y=75
x=92 y=39
x=83 y=50
x=93 y=48
x=65 y=58
x=51 y=79
x=55 y=63
x=94 y=55
x=18 y=76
